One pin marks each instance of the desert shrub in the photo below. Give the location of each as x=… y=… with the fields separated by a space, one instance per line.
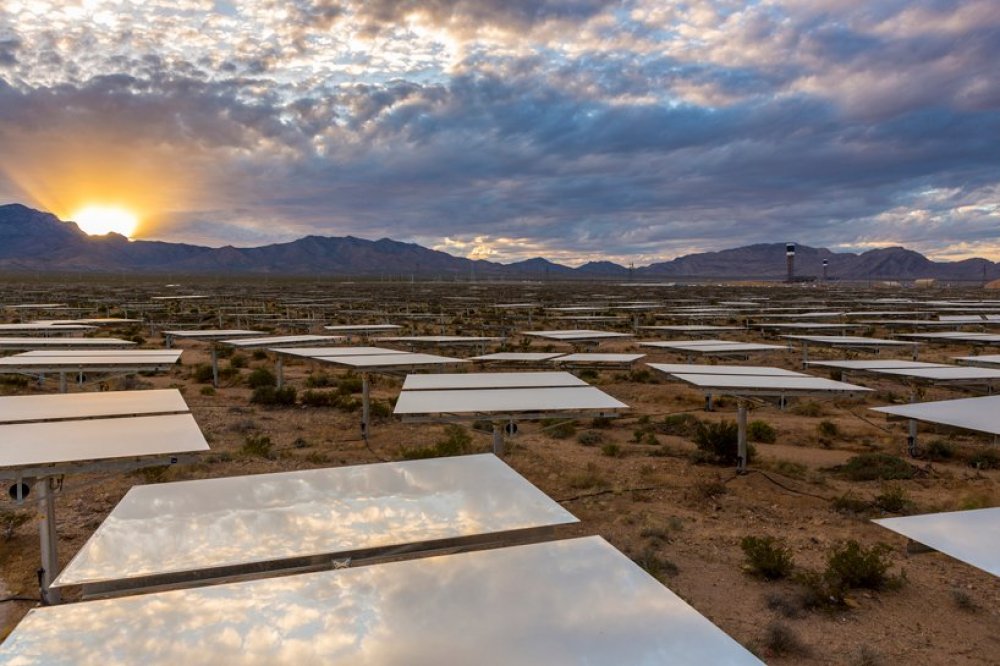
x=380 y=409
x=963 y=600
x=259 y=354
x=827 y=429
x=717 y=443
x=985 y=459
x=808 y=408
x=790 y=468
x=588 y=375
x=137 y=339
x=642 y=377
x=877 y=467
x=227 y=374
x=269 y=395
x=709 y=489
x=679 y=425
x=939 y=450
x=207 y=390
x=350 y=384
x=456 y=441
x=301 y=443
x=318 y=380
x=312 y=398
x=761 y=431
x=855 y=566
x=611 y=450
x=767 y=557
x=202 y=373
x=16 y=381
x=654 y=565
x=257 y=445
x=893 y=499
x=261 y=377
x=780 y=640
x=559 y=428
x=590 y=438
x=238 y=361
x=224 y=352
x=11 y=520
x=848 y=503
x=589 y=478
x=600 y=422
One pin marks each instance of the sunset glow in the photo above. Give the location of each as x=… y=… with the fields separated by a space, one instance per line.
x=99 y=220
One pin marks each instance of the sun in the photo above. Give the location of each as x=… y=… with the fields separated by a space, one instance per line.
x=99 y=220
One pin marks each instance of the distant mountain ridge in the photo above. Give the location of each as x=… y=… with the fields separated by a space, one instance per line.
x=31 y=240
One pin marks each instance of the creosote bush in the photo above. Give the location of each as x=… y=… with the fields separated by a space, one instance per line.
x=827 y=429
x=457 y=441
x=258 y=445
x=269 y=395
x=767 y=557
x=761 y=431
x=558 y=428
x=261 y=377
x=877 y=467
x=985 y=459
x=590 y=438
x=857 y=567
x=680 y=425
x=717 y=443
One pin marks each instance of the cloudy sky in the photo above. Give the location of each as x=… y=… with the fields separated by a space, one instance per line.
x=634 y=130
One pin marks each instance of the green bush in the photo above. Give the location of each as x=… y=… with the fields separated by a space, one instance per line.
x=258 y=445
x=312 y=398
x=611 y=450
x=809 y=408
x=207 y=390
x=761 y=431
x=380 y=409
x=857 y=567
x=893 y=499
x=848 y=503
x=269 y=395
x=457 y=441
x=679 y=425
x=559 y=428
x=259 y=354
x=985 y=459
x=590 y=438
x=939 y=451
x=877 y=467
x=202 y=373
x=767 y=558
x=261 y=377
x=350 y=384
x=827 y=429
x=318 y=380
x=601 y=422
x=718 y=442
x=237 y=361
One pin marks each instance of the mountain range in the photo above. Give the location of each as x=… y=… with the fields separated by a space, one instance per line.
x=32 y=240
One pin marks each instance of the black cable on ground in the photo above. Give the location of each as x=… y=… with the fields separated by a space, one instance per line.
x=4 y=600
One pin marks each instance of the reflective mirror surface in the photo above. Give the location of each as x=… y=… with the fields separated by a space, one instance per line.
x=570 y=602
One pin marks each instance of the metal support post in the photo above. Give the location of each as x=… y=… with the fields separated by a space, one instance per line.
x=741 y=441
x=49 y=545
x=365 y=405
x=497 y=439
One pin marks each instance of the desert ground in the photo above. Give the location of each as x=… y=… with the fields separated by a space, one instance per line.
x=635 y=480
